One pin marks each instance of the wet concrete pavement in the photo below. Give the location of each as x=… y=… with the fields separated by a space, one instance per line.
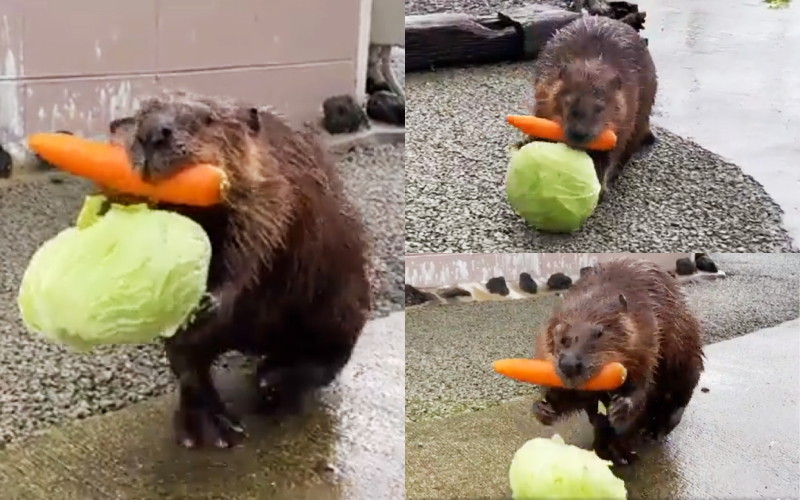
x=350 y=446
x=729 y=79
x=737 y=440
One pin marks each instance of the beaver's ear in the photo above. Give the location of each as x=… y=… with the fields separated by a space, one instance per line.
x=616 y=83
x=121 y=129
x=252 y=118
x=623 y=302
x=121 y=125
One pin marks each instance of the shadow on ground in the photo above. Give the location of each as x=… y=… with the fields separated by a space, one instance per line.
x=350 y=446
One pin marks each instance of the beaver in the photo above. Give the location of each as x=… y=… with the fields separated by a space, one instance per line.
x=632 y=312
x=597 y=73
x=288 y=278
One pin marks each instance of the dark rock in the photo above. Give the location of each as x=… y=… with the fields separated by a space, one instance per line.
x=451 y=293
x=559 y=281
x=387 y=107
x=6 y=163
x=343 y=115
x=498 y=286
x=415 y=296
x=685 y=267
x=526 y=283
x=374 y=86
x=704 y=263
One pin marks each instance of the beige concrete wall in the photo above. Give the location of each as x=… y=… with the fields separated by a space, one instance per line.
x=78 y=64
x=435 y=270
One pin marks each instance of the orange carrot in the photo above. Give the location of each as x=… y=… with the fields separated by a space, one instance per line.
x=108 y=166
x=540 y=372
x=550 y=130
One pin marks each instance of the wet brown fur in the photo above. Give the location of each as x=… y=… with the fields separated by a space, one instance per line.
x=648 y=327
x=597 y=73
x=289 y=266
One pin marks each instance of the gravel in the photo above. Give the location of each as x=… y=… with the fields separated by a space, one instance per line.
x=675 y=196
x=42 y=384
x=375 y=179
x=449 y=349
x=471 y=6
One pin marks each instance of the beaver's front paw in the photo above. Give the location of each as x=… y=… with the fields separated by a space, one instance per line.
x=197 y=425
x=621 y=414
x=544 y=413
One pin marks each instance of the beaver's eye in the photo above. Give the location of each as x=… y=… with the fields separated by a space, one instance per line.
x=208 y=119
x=597 y=332
x=565 y=341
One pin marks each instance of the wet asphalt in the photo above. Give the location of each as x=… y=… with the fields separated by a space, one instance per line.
x=729 y=79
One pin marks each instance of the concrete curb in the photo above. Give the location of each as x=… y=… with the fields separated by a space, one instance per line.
x=376 y=135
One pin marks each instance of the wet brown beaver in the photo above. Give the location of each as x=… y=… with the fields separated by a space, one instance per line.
x=597 y=73
x=288 y=274
x=632 y=312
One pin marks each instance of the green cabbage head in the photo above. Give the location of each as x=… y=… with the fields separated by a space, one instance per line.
x=125 y=277
x=552 y=186
x=550 y=469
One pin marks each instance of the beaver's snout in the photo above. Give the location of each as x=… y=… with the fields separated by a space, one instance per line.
x=570 y=365
x=157 y=132
x=156 y=151
x=578 y=137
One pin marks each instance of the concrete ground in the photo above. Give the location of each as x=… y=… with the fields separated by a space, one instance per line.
x=738 y=437
x=715 y=80
x=729 y=70
x=350 y=446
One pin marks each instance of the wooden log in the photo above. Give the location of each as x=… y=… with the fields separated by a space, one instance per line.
x=593 y=7
x=442 y=40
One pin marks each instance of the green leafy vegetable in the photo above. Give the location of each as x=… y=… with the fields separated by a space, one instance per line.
x=777 y=4
x=552 y=186
x=128 y=276
x=550 y=469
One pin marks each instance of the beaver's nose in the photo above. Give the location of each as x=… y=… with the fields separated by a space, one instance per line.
x=158 y=132
x=570 y=365
x=578 y=136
